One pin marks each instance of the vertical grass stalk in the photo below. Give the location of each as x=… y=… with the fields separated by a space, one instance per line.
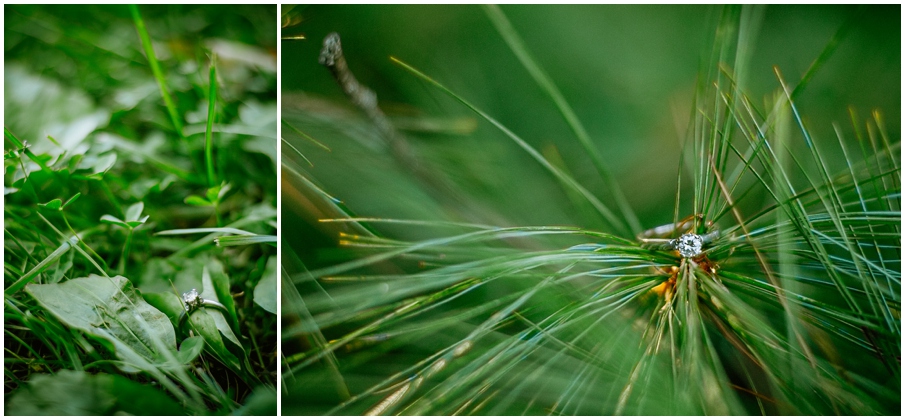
x=515 y=43
x=208 y=132
x=155 y=68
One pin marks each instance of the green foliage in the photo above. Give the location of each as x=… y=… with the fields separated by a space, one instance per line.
x=549 y=300
x=115 y=118
x=109 y=308
x=80 y=393
x=265 y=294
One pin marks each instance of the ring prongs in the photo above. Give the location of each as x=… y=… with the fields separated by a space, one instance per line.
x=689 y=245
x=192 y=300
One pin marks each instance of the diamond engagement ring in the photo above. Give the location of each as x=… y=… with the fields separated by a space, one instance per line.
x=691 y=245
x=191 y=300
x=688 y=245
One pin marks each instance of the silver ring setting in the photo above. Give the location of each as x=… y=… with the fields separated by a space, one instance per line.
x=192 y=300
x=689 y=245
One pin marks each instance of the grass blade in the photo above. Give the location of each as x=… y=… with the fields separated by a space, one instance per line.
x=558 y=173
x=246 y=240
x=504 y=27
x=208 y=132
x=38 y=269
x=155 y=68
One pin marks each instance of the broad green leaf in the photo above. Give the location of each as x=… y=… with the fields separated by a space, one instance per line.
x=75 y=161
x=213 y=193
x=220 y=281
x=205 y=323
x=194 y=200
x=27 y=95
x=110 y=308
x=54 y=204
x=209 y=291
x=265 y=294
x=67 y=393
x=134 y=211
x=113 y=220
x=136 y=223
x=202 y=323
x=72 y=393
x=190 y=349
x=262 y=145
x=104 y=163
x=167 y=302
x=261 y=402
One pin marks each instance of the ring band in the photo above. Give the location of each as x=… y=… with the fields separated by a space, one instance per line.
x=191 y=300
x=688 y=245
x=691 y=245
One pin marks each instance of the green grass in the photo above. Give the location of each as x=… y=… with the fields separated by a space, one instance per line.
x=137 y=169
x=399 y=302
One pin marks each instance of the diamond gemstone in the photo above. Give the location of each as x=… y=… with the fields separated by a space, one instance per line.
x=689 y=245
x=191 y=298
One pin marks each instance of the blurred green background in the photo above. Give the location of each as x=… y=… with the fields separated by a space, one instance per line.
x=628 y=71
x=70 y=60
